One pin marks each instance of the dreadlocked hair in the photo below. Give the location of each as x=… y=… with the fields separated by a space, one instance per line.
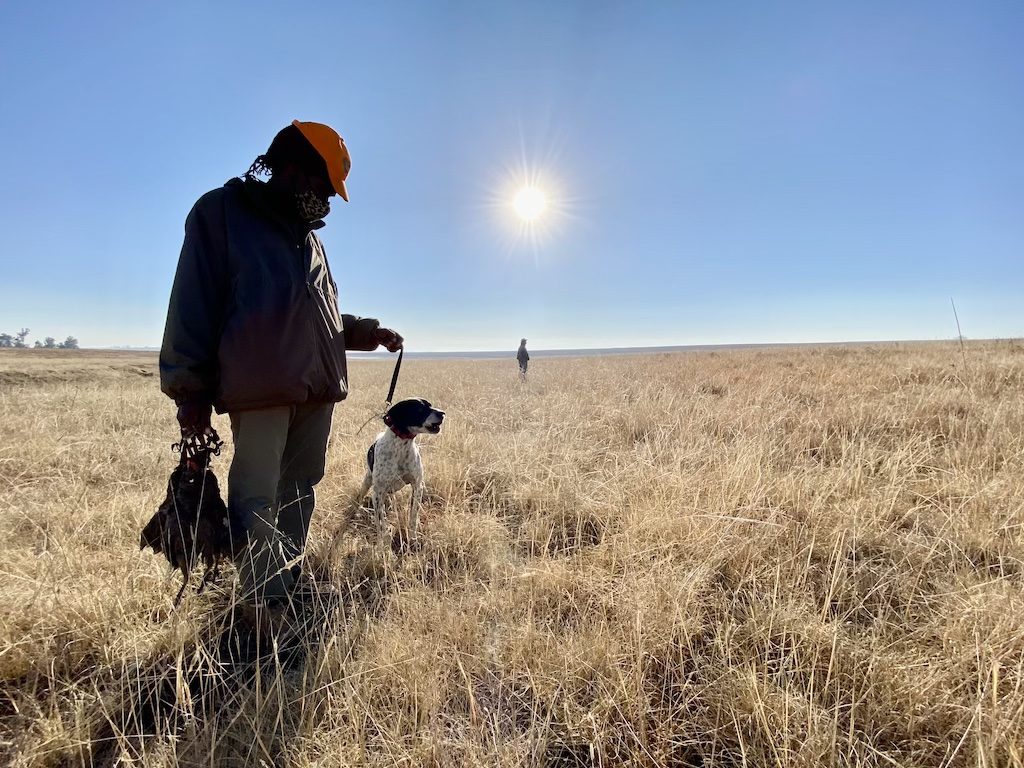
x=288 y=146
x=259 y=167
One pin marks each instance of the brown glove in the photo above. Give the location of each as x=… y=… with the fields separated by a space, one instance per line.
x=392 y=340
x=194 y=418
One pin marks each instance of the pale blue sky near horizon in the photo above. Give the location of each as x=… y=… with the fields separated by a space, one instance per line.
x=731 y=172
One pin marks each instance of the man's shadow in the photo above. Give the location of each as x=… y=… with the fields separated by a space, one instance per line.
x=231 y=671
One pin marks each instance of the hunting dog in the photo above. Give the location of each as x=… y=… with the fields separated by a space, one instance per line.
x=393 y=461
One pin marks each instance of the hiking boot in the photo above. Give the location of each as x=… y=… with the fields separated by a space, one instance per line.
x=272 y=619
x=258 y=633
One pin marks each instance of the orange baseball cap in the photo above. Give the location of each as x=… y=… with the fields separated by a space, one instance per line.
x=331 y=147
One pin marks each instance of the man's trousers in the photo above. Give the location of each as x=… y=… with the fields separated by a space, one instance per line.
x=280 y=455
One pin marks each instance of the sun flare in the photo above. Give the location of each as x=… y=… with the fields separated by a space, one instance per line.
x=530 y=203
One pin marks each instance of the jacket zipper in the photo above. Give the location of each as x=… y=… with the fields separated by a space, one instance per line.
x=311 y=301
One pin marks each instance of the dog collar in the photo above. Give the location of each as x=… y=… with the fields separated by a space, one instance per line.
x=400 y=434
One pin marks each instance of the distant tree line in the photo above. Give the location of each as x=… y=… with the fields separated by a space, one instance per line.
x=19 y=341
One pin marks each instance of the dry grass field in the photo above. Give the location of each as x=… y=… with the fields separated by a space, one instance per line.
x=803 y=556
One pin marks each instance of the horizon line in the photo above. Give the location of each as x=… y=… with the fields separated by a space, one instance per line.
x=614 y=349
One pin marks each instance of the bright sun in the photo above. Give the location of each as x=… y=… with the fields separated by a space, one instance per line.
x=530 y=203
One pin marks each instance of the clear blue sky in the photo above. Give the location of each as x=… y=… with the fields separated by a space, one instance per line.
x=720 y=172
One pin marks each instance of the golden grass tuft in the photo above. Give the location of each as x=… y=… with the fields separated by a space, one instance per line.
x=802 y=556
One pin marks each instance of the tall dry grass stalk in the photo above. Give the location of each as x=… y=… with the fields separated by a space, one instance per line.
x=808 y=556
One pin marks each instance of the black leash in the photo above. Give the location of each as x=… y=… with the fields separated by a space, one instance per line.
x=394 y=378
x=391 y=392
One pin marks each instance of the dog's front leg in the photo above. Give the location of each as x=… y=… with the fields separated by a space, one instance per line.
x=367 y=482
x=380 y=513
x=414 y=508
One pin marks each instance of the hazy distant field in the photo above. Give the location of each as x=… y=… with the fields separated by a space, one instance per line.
x=770 y=557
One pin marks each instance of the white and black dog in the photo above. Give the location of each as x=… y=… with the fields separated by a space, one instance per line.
x=393 y=461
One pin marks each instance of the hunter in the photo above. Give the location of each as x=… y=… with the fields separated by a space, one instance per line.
x=253 y=330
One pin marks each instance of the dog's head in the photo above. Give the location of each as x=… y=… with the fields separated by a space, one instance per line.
x=414 y=416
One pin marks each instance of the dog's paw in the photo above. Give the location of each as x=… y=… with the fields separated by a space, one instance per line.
x=399 y=542
x=403 y=542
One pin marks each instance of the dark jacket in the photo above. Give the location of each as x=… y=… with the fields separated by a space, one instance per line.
x=253 y=320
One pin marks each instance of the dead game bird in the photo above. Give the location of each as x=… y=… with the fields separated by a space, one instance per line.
x=192 y=522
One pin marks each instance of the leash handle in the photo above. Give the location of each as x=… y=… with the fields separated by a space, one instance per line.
x=394 y=378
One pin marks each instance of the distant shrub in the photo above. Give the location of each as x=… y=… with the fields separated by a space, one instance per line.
x=18 y=341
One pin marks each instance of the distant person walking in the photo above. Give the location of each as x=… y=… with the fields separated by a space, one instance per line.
x=253 y=330
x=524 y=359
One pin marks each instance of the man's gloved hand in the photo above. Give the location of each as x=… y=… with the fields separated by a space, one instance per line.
x=194 y=418
x=391 y=340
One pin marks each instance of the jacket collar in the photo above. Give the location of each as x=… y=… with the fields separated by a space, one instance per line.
x=264 y=202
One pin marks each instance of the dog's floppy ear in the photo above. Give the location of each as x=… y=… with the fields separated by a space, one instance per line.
x=405 y=414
